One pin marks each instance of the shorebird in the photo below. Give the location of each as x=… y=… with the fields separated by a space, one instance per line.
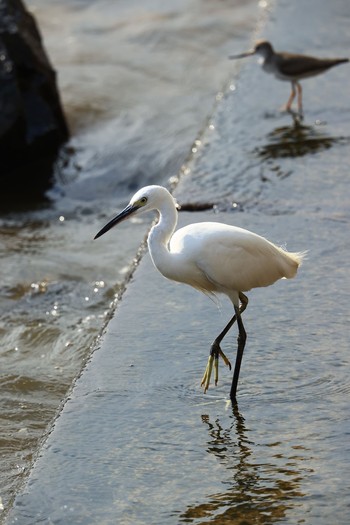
x=213 y=258
x=290 y=66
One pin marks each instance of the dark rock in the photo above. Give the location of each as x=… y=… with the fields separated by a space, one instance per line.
x=32 y=123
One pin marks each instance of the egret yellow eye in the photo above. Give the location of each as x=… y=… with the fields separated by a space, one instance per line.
x=143 y=201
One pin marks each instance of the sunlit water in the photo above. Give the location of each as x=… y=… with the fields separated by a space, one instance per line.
x=138 y=80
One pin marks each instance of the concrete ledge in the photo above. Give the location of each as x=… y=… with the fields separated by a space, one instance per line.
x=138 y=442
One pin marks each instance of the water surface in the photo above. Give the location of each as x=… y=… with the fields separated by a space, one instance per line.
x=138 y=81
x=137 y=441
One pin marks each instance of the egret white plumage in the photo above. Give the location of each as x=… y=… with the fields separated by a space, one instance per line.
x=213 y=258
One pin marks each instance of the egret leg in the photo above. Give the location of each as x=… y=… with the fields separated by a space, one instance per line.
x=215 y=350
x=291 y=98
x=242 y=336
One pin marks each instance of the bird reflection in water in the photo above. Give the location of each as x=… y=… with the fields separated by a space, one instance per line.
x=260 y=487
x=292 y=142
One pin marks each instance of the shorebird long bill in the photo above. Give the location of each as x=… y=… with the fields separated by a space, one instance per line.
x=129 y=210
x=242 y=55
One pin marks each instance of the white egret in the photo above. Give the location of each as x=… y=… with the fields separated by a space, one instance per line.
x=290 y=66
x=213 y=258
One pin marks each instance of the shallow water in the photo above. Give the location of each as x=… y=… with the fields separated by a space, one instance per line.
x=138 y=442
x=138 y=80
x=152 y=448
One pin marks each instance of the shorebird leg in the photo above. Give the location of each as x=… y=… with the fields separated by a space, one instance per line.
x=300 y=99
x=215 y=350
x=291 y=98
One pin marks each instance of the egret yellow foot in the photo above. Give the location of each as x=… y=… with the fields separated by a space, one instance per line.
x=207 y=373
x=213 y=361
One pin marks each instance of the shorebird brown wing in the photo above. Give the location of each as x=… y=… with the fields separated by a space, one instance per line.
x=299 y=66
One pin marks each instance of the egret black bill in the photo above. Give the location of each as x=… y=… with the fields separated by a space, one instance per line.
x=129 y=210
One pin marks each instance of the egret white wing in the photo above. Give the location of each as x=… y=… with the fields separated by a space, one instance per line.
x=233 y=258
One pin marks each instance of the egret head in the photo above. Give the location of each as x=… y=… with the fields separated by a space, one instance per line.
x=146 y=199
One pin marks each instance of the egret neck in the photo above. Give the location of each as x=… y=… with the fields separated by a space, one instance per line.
x=160 y=235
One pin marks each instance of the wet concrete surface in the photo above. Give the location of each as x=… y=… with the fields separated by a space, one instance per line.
x=138 y=441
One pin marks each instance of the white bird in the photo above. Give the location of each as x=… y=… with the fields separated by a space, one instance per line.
x=213 y=258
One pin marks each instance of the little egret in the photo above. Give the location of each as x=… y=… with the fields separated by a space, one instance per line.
x=213 y=258
x=290 y=66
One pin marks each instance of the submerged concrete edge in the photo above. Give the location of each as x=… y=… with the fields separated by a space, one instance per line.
x=174 y=184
